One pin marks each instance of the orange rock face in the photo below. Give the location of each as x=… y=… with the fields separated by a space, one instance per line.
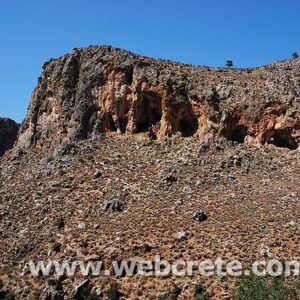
x=101 y=90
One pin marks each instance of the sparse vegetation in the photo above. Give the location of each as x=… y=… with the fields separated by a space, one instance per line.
x=265 y=288
x=59 y=223
x=7 y=295
x=56 y=247
x=176 y=291
x=85 y=293
x=113 y=292
x=200 y=293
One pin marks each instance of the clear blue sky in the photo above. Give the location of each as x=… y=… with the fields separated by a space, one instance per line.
x=251 y=33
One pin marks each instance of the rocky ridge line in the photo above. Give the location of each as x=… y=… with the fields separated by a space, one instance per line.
x=105 y=90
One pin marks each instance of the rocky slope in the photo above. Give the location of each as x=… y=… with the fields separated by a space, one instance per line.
x=107 y=90
x=8 y=134
x=123 y=157
x=57 y=206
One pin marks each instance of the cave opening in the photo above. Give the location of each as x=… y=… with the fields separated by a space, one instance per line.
x=283 y=139
x=121 y=113
x=129 y=76
x=148 y=112
x=107 y=123
x=188 y=127
x=123 y=124
x=112 y=125
x=185 y=120
x=239 y=134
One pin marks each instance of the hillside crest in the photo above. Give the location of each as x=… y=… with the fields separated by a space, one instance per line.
x=106 y=90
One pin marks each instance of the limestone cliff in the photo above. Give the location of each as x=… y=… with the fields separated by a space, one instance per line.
x=111 y=91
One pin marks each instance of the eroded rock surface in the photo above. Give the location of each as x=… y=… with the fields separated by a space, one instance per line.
x=107 y=90
x=74 y=193
x=8 y=134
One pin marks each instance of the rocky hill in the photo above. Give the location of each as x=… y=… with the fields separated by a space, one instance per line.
x=107 y=90
x=123 y=157
x=8 y=134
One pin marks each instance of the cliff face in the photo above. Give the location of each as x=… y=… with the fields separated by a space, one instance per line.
x=111 y=91
x=8 y=134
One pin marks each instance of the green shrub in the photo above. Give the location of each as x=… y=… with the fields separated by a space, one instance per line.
x=176 y=291
x=7 y=295
x=85 y=293
x=56 y=247
x=265 y=288
x=200 y=293
x=59 y=223
x=113 y=292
